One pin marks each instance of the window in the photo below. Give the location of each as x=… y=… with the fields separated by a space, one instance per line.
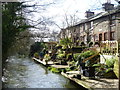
x=112 y=34
x=84 y=38
x=83 y=27
x=105 y=36
x=95 y=37
x=100 y=37
x=113 y=21
x=91 y=25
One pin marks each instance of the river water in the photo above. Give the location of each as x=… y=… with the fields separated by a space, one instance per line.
x=25 y=73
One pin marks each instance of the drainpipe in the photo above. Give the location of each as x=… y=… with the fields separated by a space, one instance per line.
x=119 y=63
x=118 y=39
x=119 y=58
x=109 y=26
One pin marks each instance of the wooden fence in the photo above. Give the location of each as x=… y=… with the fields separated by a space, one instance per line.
x=109 y=47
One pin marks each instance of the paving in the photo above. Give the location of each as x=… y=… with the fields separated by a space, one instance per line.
x=100 y=83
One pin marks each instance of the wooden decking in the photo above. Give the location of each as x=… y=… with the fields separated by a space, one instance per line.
x=60 y=66
x=43 y=62
x=51 y=63
x=90 y=84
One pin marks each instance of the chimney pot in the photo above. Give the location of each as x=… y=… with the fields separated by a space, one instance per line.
x=89 y=14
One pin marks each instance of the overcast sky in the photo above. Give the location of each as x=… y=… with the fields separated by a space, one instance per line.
x=57 y=10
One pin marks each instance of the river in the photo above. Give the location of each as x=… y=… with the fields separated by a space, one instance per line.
x=25 y=73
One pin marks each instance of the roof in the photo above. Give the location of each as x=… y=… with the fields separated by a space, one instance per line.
x=99 y=15
x=96 y=16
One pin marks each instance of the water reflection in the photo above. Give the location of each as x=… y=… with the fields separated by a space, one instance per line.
x=25 y=73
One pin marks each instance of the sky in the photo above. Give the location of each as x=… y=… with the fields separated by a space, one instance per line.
x=59 y=8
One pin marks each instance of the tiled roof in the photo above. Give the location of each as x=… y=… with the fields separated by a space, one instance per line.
x=99 y=15
x=96 y=16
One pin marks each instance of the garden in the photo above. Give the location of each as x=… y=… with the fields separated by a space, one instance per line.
x=79 y=58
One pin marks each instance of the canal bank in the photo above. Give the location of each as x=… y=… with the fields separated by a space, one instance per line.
x=24 y=73
x=91 y=84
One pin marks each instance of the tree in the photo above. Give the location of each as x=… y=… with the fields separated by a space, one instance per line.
x=66 y=42
x=13 y=23
x=53 y=36
x=16 y=20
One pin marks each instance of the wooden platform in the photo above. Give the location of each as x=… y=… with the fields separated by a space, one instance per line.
x=60 y=66
x=73 y=72
x=92 y=84
x=43 y=62
x=51 y=63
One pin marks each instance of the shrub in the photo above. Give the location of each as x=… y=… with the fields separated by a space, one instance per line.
x=76 y=56
x=36 y=55
x=66 y=42
x=87 y=54
x=60 y=56
x=116 y=68
x=110 y=62
x=55 y=70
x=106 y=70
x=49 y=68
x=81 y=56
x=47 y=57
x=69 y=56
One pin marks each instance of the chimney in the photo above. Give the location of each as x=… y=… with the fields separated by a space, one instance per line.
x=89 y=14
x=108 y=6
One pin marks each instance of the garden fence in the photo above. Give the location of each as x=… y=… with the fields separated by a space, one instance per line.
x=109 y=47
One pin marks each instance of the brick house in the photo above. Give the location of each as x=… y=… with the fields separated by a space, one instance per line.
x=100 y=27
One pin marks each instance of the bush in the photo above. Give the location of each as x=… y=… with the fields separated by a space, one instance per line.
x=55 y=70
x=36 y=47
x=81 y=56
x=76 y=56
x=66 y=42
x=36 y=55
x=60 y=56
x=116 y=68
x=58 y=46
x=47 y=57
x=110 y=62
x=106 y=70
x=69 y=56
x=87 y=54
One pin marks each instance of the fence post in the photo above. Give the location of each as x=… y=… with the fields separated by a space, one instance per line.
x=119 y=62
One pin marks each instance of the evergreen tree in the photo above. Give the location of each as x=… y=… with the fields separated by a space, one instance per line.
x=13 y=22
